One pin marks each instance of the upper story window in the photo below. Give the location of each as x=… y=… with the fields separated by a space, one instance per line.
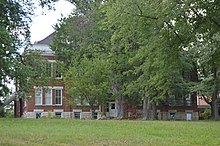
x=52 y=69
x=38 y=96
x=49 y=69
x=58 y=74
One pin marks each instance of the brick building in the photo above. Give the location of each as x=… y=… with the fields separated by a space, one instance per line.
x=52 y=100
x=48 y=100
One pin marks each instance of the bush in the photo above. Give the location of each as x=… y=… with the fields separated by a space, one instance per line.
x=207 y=114
x=10 y=114
x=50 y=114
x=2 y=111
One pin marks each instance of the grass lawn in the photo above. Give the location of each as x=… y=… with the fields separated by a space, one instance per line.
x=64 y=132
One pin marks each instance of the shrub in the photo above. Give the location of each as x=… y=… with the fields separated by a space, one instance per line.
x=207 y=114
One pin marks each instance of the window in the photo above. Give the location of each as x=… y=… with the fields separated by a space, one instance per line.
x=38 y=96
x=172 y=116
x=189 y=116
x=188 y=100
x=58 y=96
x=95 y=115
x=58 y=114
x=49 y=69
x=76 y=115
x=48 y=96
x=107 y=105
x=58 y=74
x=112 y=105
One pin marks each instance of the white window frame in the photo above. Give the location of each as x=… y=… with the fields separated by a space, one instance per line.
x=61 y=94
x=40 y=96
x=58 y=111
x=51 y=96
x=77 y=110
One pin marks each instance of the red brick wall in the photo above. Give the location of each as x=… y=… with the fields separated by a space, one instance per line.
x=65 y=105
x=65 y=97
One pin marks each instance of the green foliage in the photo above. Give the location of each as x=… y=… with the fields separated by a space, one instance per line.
x=88 y=81
x=207 y=114
x=15 y=19
x=14 y=25
x=82 y=47
x=155 y=48
x=49 y=114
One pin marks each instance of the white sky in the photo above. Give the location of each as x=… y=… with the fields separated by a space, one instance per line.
x=44 y=19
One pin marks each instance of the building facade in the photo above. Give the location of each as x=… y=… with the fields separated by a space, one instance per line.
x=53 y=101
x=48 y=100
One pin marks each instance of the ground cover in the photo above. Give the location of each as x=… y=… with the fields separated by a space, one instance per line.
x=64 y=132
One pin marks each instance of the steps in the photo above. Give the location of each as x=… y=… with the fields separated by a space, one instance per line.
x=10 y=98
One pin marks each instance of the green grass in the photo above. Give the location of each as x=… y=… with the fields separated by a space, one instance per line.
x=64 y=132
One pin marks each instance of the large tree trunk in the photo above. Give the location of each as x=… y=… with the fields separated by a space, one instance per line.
x=214 y=106
x=92 y=108
x=120 y=107
x=154 y=111
x=146 y=108
x=214 y=103
x=215 y=114
x=16 y=108
x=21 y=107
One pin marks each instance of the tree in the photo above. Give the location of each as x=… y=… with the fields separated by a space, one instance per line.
x=197 y=24
x=15 y=18
x=151 y=46
x=88 y=82
x=81 y=46
x=14 y=31
x=142 y=30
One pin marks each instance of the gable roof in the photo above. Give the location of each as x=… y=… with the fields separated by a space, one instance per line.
x=44 y=46
x=47 y=40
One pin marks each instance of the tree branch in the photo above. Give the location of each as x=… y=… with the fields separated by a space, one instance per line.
x=215 y=22
x=148 y=17
x=141 y=13
x=205 y=98
x=177 y=35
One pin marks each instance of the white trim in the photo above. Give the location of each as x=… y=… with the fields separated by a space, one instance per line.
x=57 y=87
x=38 y=110
x=77 y=110
x=51 y=61
x=58 y=110
x=47 y=87
x=59 y=78
x=52 y=87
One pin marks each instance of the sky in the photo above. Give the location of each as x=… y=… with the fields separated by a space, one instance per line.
x=44 y=19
